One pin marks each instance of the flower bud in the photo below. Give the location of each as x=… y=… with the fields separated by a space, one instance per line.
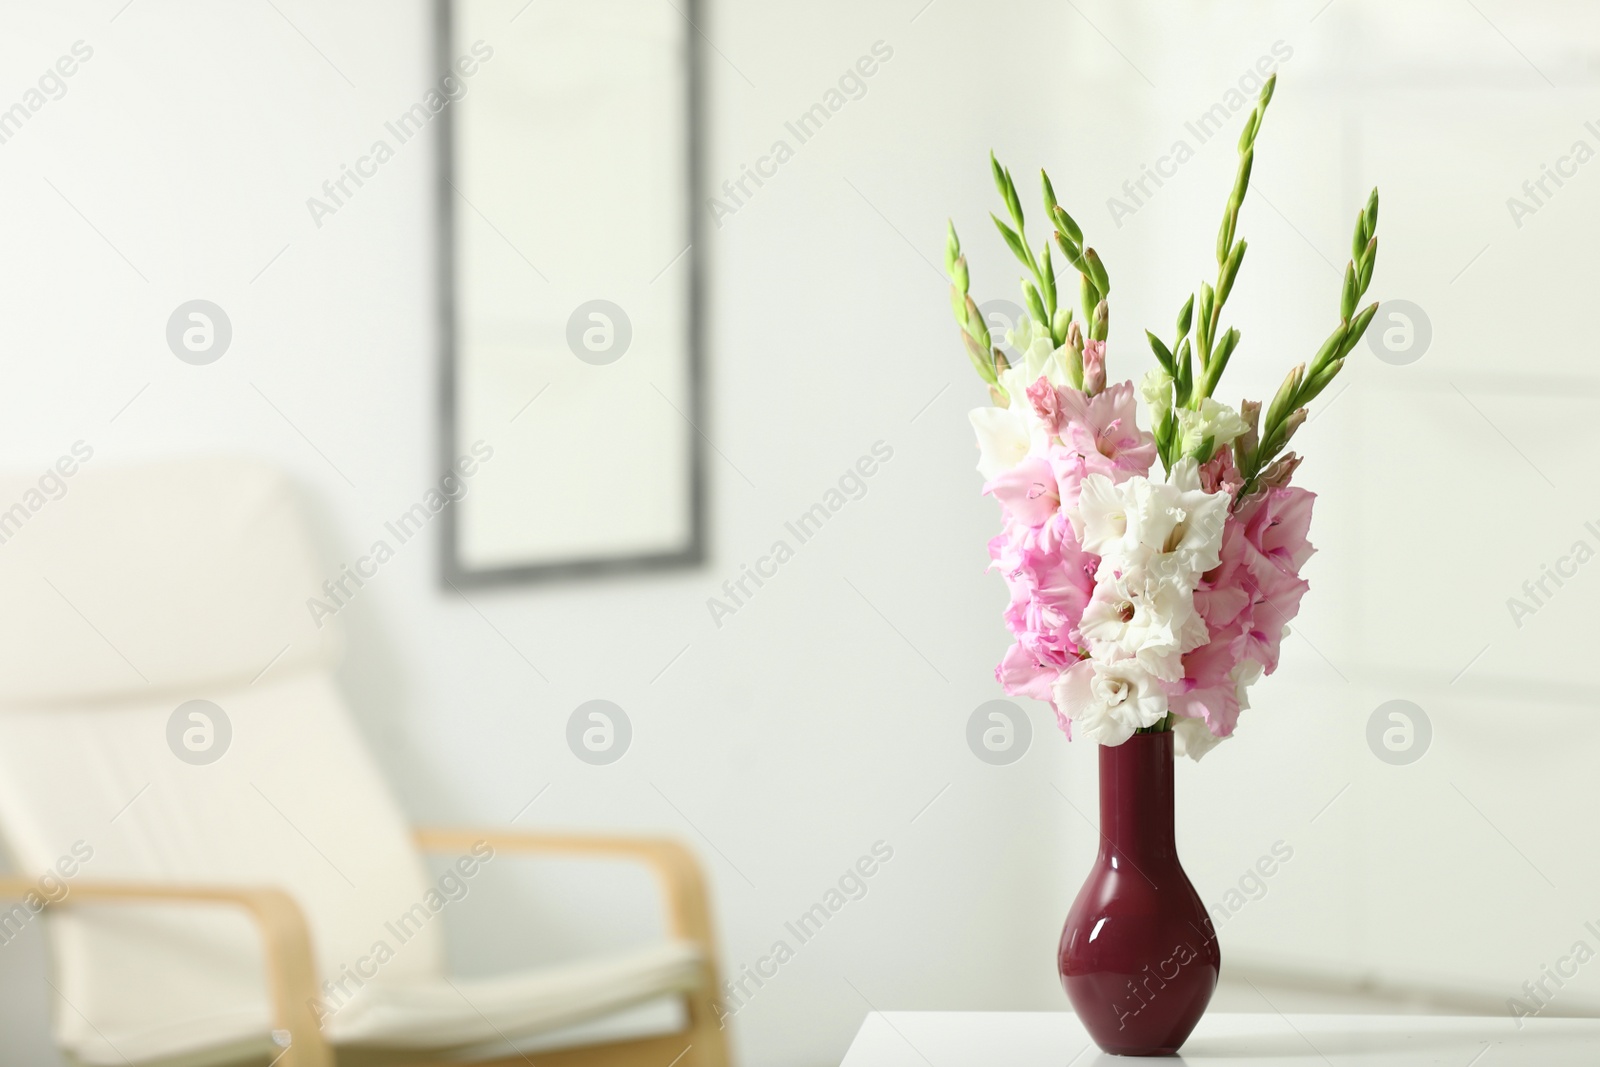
x=1074 y=360
x=1094 y=367
x=1296 y=419
x=1250 y=412
x=975 y=324
x=1244 y=446
x=980 y=358
x=1046 y=403
x=1277 y=475
x=1286 y=394
x=1097 y=272
x=1063 y=319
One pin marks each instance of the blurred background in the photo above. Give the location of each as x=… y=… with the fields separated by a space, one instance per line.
x=1440 y=869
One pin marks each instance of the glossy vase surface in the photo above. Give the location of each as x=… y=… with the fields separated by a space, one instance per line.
x=1138 y=955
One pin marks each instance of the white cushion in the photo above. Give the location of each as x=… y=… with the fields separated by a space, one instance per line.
x=155 y=578
x=460 y=1012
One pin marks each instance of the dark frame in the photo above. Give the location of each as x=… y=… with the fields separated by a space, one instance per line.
x=693 y=554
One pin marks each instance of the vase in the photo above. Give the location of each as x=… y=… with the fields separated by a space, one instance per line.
x=1138 y=956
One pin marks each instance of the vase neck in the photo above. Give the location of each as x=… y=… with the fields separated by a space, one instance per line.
x=1136 y=799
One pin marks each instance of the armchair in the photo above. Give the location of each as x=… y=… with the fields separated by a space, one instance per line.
x=224 y=899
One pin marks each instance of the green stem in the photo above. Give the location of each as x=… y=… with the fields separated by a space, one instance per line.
x=1230 y=257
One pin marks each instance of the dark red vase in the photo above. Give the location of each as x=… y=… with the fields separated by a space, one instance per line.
x=1138 y=957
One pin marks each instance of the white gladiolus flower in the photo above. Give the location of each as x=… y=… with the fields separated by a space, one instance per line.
x=1109 y=701
x=1004 y=436
x=1128 y=523
x=1192 y=738
x=1155 y=539
x=1100 y=520
x=1156 y=388
x=1215 y=420
x=1142 y=616
x=1174 y=528
x=1196 y=533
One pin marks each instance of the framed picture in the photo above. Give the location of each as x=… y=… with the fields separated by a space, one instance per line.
x=570 y=389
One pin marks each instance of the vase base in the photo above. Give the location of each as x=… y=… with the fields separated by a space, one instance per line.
x=1139 y=1051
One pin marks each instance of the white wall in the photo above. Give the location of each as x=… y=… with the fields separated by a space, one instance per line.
x=782 y=745
x=827 y=713
x=1444 y=484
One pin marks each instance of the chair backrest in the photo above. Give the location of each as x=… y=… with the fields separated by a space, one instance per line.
x=124 y=595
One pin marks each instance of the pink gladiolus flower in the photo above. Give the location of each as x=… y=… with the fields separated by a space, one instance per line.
x=1276 y=524
x=1246 y=601
x=1050 y=579
x=1274 y=600
x=1023 y=673
x=1220 y=598
x=1207 y=691
x=1105 y=431
x=1103 y=428
x=1028 y=491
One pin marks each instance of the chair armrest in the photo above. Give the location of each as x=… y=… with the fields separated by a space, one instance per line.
x=683 y=886
x=682 y=883
x=286 y=940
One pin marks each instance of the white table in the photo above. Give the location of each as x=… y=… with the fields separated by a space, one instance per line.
x=1056 y=1039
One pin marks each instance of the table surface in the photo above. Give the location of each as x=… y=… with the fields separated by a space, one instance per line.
x=1057 y=1039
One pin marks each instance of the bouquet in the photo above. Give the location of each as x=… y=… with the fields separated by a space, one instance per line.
x=1141 y=602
